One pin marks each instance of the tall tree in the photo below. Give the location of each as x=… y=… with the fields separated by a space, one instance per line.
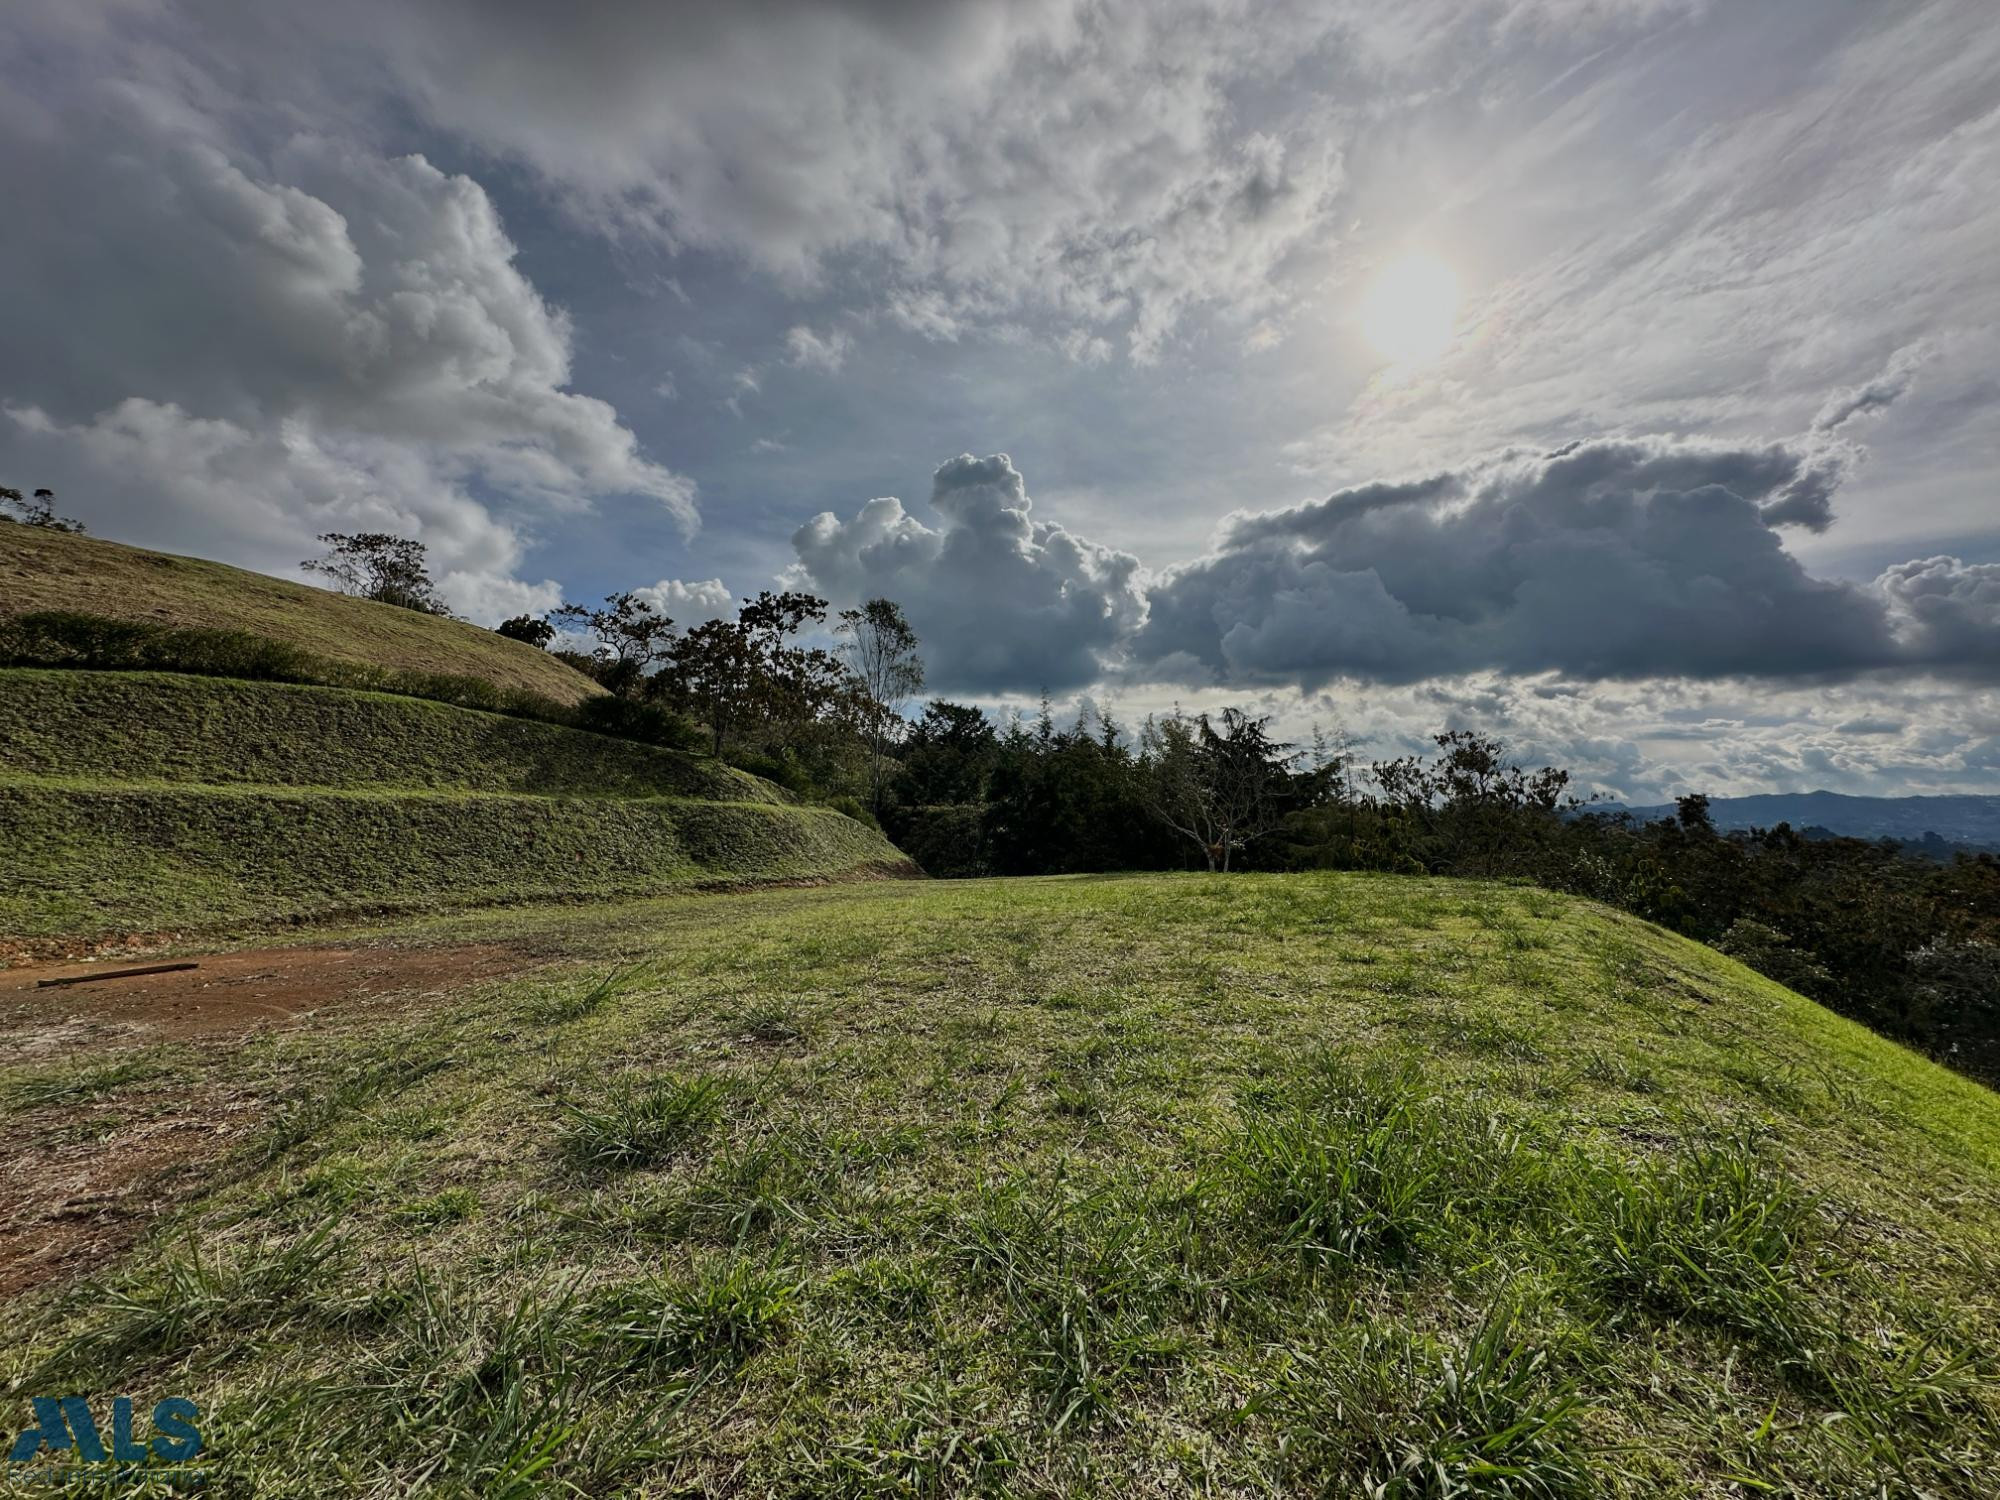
x=1222 y=790
x=881 y=651
x=731 y=673
x=947 y=755
x=376 y=565
x=709 y=675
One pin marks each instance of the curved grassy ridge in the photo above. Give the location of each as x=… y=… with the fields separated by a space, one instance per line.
x=87 y=860
x=144 y=802
x=160 y=726
x=47 y=570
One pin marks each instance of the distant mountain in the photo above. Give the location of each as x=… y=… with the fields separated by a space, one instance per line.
x=1971 y=820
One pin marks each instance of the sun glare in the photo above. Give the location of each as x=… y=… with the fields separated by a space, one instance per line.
x=1410 y=310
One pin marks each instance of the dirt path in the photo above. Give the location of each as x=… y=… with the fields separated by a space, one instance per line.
x=84 y=1178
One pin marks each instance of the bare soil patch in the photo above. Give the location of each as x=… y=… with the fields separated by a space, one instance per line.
x=230 y=993
x=87 y=1177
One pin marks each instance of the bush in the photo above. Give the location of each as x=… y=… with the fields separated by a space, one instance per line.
x=852 y=807
x=782 y=769
x=61 y=638
x=647 y=723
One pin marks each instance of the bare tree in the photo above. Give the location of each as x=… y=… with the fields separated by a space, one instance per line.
x=881 y=651
x=1221 y=791
x=375 y=565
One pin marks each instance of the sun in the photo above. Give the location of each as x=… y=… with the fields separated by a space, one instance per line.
x=1410 y=311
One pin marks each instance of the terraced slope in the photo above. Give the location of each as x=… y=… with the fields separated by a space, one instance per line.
x=143 y=802
x=47 y=570
x=1316 y=1185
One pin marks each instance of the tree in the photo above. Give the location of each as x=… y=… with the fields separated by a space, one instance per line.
x=881 y=651
x=530 y=629
x=632 y=637
x=947 y=755
x=708 y=672
x=1220 y=790
x=375 y=565
x=729 y=673
x=40 y=511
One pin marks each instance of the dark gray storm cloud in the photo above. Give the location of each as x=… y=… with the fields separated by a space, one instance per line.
x=1619 y=558
x=1616 y=558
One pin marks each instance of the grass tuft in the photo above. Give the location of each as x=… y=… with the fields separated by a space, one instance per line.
x=1718 y=1231
x=717 y=1318
x=1389 y=1414
x=188 y=1295
x=632 y=1124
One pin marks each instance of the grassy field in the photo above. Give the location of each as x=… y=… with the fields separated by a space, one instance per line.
x=146 y=803
x=1255 y=1185
x=48 y=570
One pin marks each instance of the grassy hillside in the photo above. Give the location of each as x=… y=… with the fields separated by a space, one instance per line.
x=154 y=726
x=139 y=803
x=47 y=570
x=1256 y=1185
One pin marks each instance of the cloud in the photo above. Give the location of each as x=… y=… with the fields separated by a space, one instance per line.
x=1945 y=613
x=1000 y=599
x=235 y=347
x=1614 y=560
x=689 y=603
x=806 y=350
x=1610 y=559
x=1750 y=244
x=1876 y=395
x=1088 y=160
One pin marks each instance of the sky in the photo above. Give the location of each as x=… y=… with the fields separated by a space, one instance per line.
x=1615 y=376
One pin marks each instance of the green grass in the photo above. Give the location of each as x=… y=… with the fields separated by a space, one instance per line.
x=1326 y=1185
x=159 y=727
x=46 y=570
x=88 y=860
x=147 y=802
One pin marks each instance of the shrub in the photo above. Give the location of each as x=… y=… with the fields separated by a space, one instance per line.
x=62 y=638
x=853 y=808
x=647 y=723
